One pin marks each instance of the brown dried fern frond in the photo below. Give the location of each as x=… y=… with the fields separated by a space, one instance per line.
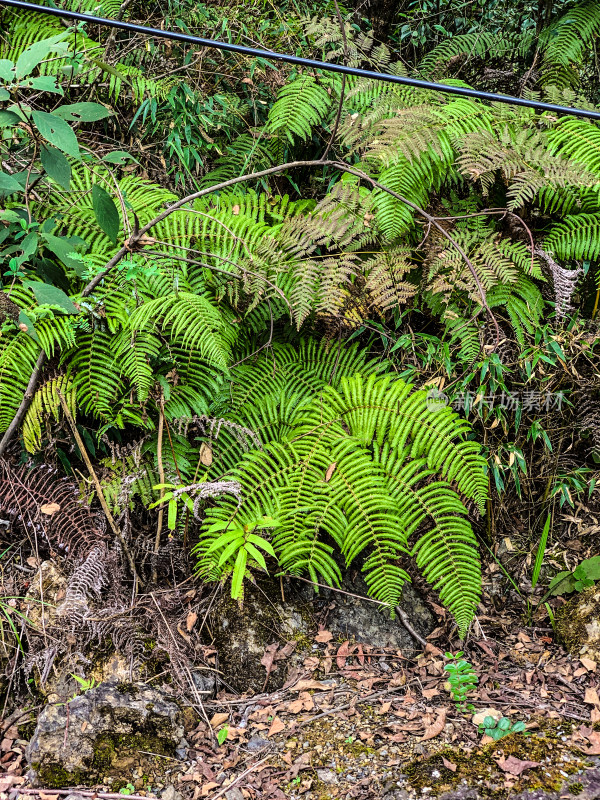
x=36 y=500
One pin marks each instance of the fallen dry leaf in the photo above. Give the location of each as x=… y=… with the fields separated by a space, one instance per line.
x=276 y=727
x=218 y=719
x=588 y=663
x=448 y=764
x=269 y=657
x=514 y=766
x=307 y=684
x=594 y=739
x=286 y=651
x=436 y=727
x=50 y=509
x=191 y=620
x=330 y=470
x=342 y=654
x=323 y=637
x=591 y=696
x=206 y=454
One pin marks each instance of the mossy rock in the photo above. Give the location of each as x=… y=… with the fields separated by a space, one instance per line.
x=242 y=632
x=104 y=732
x=578 y=624
x=480 y=769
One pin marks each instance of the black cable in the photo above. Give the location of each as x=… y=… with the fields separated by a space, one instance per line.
x=304 y=62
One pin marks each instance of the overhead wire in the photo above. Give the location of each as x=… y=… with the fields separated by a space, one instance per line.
x=402 y=80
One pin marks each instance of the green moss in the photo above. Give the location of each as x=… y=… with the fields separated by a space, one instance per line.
x=570 y=625
x=480 y=769
x=109 y=750
x=127 y=688
x=53 y=776
x=576 y=788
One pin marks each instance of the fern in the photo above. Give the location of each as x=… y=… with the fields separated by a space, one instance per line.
x=565 y=40
x=356 y=465
x=18 y=354
x=524 y=304
x=46 y=404
x=300 y=106
x=480 y=44
x=576 y=237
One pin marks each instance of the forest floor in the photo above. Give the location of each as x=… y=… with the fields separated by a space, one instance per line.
x=352 y=721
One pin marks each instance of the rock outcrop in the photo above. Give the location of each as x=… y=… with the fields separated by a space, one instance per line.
x=101 y=733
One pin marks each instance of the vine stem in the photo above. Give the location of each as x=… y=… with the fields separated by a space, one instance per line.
x=138 y=236
x=161 y=477
x=84 y=454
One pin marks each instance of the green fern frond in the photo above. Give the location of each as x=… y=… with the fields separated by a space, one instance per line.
x=480 y=44
x=576 y=237
x=18 y=354
x=355 y=466
x=96 y=375
x=565 y=40
x=192 y=320
x=45 y=404
x=300 y=106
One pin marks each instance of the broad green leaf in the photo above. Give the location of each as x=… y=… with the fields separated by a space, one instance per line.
x=119 y=157
x=56 y=131
x=25 y=320
x=56 y=165
x=222 y=735
x=267 y=522
x=9 y=184
x=591 y=568
x=65 y=251
x=221 y=526
x=231 y=548
x=106 y=212
x=82 y=112
x=239 y=571
x=4 y=94
x=8 y=215
x=7 y=70
x=8 y=118
x=266 y=546
x=172 y=515
x=236 y=534
x=29 y=245
x=563 y=583
x=46 y=294
x=38 y=51
x=44 y=83
x=256 y=555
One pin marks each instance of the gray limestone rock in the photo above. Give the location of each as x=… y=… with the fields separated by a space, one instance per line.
x=104 y=729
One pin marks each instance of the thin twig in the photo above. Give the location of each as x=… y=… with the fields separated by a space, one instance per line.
x=83 y=792
x=344 y=706
x=225 y=789
x=401 y=613
x=161 y=477
x=24 y=405
x=84 y=454
x=343 y=87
